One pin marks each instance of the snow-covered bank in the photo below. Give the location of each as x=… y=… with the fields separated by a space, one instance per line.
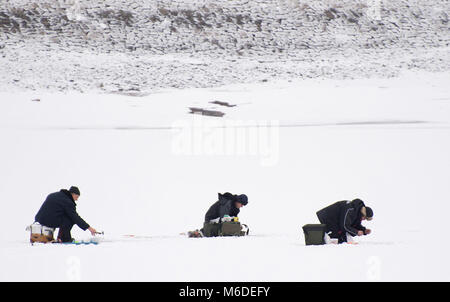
x=138 y=47
x=26 y=67
x=385 y=141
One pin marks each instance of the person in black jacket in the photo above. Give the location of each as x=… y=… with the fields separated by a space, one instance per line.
x=345 y=217
x=59 y=211
x=227 y=205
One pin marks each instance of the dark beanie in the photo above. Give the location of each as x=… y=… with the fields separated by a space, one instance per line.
x=74 y=190
x=369 y=212
x=242 y=199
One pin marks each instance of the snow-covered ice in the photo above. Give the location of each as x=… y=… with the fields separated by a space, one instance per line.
x=386 y=141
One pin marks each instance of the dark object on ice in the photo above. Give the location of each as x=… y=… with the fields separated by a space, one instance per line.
x=314 y=234
x=226 y=205
x=201 y=111
x=74 y=190
x=224 y=229
x=210 y=229
x=223 y=104
x=230 y=228
x=35 y=100
x=59 y=211
x=343 y=217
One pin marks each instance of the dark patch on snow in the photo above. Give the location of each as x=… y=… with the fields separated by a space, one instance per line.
x=223 y=104
x=201 y=111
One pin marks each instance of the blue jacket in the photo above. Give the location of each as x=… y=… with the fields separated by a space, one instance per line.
x=58 y=207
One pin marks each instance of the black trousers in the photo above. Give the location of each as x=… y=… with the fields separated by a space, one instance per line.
x=334 y=232
x=64 y=230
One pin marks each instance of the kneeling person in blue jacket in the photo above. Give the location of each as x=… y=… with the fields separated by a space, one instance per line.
x=59 y=211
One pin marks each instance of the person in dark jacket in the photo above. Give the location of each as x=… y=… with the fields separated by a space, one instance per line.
x=227 y=205
x=59 y=211
x=344 y=218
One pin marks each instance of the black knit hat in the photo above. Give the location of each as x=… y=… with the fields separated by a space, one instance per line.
x=243 y=199
x=74 y=190
x=369 y=212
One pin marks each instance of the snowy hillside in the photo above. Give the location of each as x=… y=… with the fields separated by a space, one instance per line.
x=137 y=47
x=333 y=100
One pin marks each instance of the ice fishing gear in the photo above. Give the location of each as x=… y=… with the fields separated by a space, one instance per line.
x=226 y=218
x=314 y=234
x=211 y=229
x=92 y=240
x=230 y=228
x=40 y=233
